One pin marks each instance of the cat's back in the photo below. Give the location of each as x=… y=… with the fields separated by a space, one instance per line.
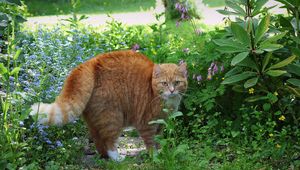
x=123 y=82
x=128 y=60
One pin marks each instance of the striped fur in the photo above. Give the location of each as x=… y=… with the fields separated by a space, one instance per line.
x=116 y=90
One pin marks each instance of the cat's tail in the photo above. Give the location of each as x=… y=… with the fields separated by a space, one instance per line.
x=71 y=102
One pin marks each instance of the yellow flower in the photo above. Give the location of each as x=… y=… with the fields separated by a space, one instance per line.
x=251 y=91
x=223 y=78
x=275 y=93
x=282 y=118
x=278 y=146
x=271 y=135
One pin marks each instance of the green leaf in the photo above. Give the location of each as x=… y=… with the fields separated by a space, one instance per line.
x=276 y=73
x=272 y=98
x=248 y=62
x=283 y=63
x=233 y=71
x=266 y=61
x=294 y=68
x=238 y=77
x=15 y=71
x=176 y=114
x=228 y=43
x=16 y=56
x=274 y=38
x=262 y=28
x=240 y=34
x=295 y=82
x=258 y=5
x=270 y=47
x=159 y=121
x=230 y=49
x=238 y=58
x=255 y=98
x=267 y=106
x=240 y=11
x=3 y=69
x=295 y=91
x=224 y=12
x=251 y=82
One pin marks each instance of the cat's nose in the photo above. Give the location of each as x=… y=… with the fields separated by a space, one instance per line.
x=172 y=89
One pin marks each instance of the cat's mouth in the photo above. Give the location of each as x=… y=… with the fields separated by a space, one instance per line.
x=170 y=96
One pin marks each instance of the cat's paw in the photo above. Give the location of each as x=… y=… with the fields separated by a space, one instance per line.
x=114 y=155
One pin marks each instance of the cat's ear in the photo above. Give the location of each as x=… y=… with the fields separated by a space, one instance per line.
x=156 y=70
x=183 y=69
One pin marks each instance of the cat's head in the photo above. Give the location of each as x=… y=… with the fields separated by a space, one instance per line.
x=169 y=80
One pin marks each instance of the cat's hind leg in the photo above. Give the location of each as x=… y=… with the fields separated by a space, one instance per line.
x=105 y=131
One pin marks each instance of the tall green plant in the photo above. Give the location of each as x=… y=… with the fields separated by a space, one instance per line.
x=254 y=43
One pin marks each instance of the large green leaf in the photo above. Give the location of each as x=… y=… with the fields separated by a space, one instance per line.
x=251 y=82
x=295 y=82
x=294 y=68
x=224 y=12
x=230 y=49
x=262 y=28
x=238 y=58
x=270 y=47
x=266 y=61
x=248 y=62
x=276 y=73
x=274 y=38
x=233 y=71
x=238 y=77
x=283 y=63
x=258 y=5
x=240 y=34
x=227 y=42
x=296 y=91
x=236 y=8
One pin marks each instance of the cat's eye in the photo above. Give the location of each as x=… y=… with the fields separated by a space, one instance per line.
x=164 y=83
x=176 y=83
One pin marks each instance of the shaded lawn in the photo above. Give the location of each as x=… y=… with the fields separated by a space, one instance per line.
x=59 y=7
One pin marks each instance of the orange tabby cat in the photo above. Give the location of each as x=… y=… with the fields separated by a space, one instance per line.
x=115 y=90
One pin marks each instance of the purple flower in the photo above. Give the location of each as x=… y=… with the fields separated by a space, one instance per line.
x=186 y=50
x=177 y=23
x=135 y=47
x=178 y=6
x=199 y=78
x=215 y=69
x=198 y=31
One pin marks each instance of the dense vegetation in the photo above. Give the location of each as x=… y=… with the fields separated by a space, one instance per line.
x=241 y=111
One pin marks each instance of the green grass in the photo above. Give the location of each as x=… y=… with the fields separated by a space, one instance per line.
x=214 y=3
x=55 y=7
